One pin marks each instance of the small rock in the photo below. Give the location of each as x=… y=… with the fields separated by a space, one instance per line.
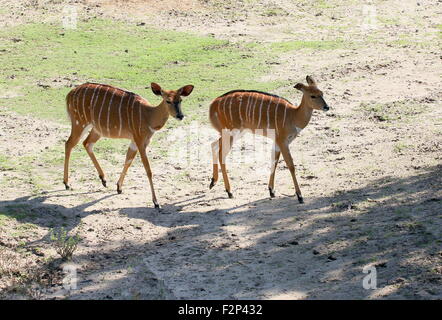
x=38 y=252
x=397 y=281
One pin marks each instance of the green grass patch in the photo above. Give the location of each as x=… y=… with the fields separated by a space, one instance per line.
x=411 y=40
x=400 y=147
x=323 y=4
x=18 y=212
x=389 y=21
x=287 y=46
x=394 y=111
x=6 y=163
x=274 y=11
x=41 y=61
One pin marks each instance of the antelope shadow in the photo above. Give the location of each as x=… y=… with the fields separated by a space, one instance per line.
x=314 y=250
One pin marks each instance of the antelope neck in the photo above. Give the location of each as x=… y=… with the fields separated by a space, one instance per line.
x=156 y=116
x=302 y=114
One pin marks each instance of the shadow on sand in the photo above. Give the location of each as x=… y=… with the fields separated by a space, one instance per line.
x=275 y=248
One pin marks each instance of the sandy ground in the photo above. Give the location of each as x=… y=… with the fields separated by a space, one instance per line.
x=372 y=187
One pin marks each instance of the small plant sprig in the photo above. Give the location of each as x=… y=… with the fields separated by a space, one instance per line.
x=65 y=245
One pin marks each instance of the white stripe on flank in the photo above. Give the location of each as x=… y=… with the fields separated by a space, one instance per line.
x=247 y=107
x=252 y=107
x=230 y=111
x=96 y=102
x=133 y=122
x=101 y=109
x=276 y=116
x=92 y=105
x=78 y=96
x=108 y=112
x=268 y=112
x=151 y=129
x=285 y=111
x=139 y=109
x=127 y=111
x=224 y=108
x=119 y=113
x=84 y=97
x=74 y=104
x=72 y=100
x=252 y=111
x=75 y=96
x=71 y=104
x=239 y=108
x=260 y=112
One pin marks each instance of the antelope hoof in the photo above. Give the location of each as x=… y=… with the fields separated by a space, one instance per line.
x=300 y=199
x=272 y=192
x=157 y=206
x=103 y=182
x=229 y=194
x=212 y=183
x=66 y=186
x=119 y=191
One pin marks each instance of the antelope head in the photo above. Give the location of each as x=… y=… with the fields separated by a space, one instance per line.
x=172 y=98
x=312 y=95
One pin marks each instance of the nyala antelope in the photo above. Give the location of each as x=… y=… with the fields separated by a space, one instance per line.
x=115 y=113
x=266 y=114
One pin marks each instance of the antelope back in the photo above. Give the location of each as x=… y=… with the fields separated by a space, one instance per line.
x=113 y=112
x=241 y=109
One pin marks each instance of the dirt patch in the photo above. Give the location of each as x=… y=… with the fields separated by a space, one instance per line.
x=21 y=135
x=369 y=170
x=204 y=245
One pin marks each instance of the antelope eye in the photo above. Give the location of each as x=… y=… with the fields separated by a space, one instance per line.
x=313 y=97
x=169 y=102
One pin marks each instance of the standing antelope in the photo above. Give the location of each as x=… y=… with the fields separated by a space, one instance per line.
x=115 y=113
x=264 y=114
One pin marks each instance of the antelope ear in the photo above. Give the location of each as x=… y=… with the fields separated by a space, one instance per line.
x=299 y=86
x=310 y=81
x=186 y=90
x=156 y=89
